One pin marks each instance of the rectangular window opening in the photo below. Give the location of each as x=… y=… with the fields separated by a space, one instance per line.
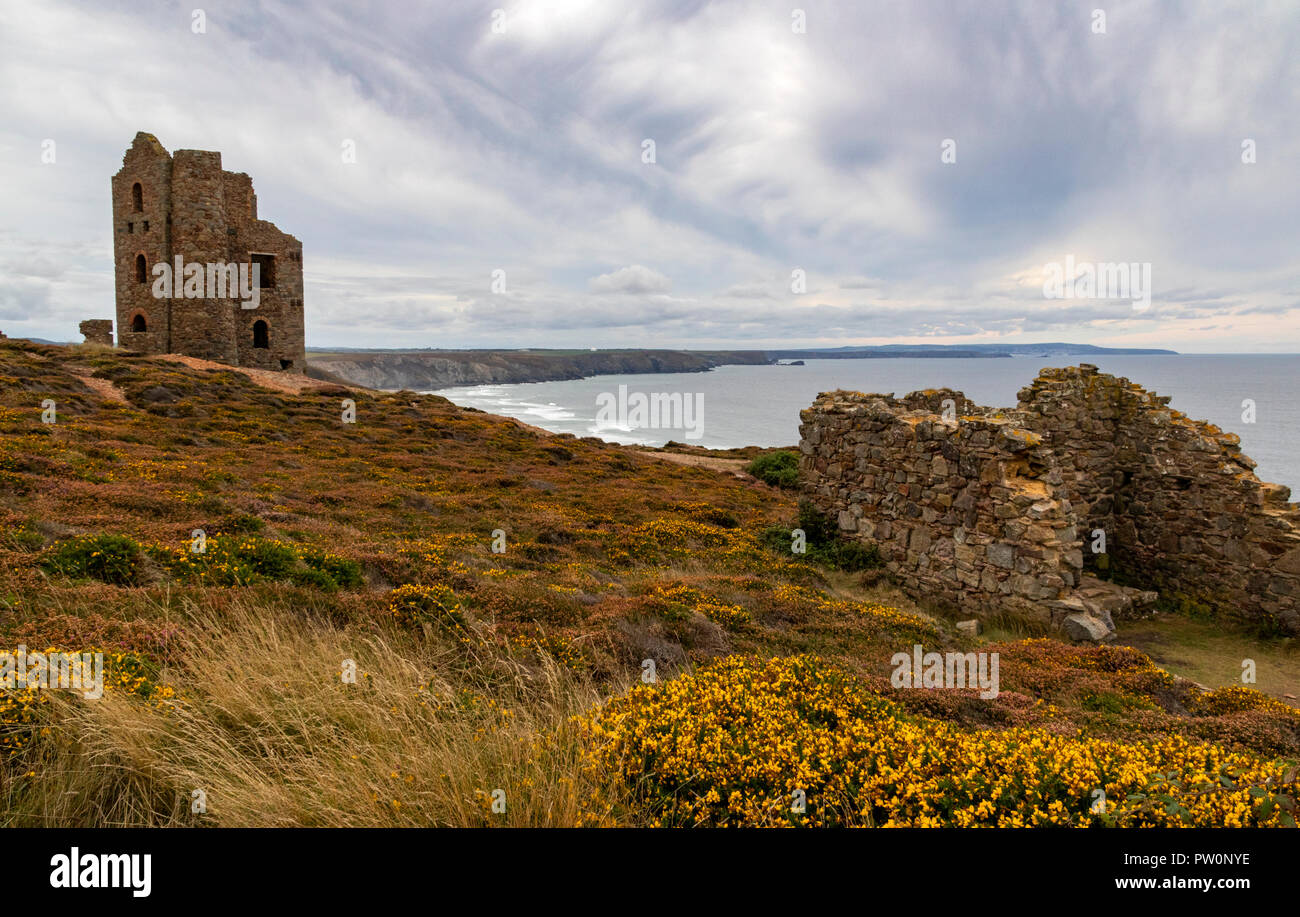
x=266 y=268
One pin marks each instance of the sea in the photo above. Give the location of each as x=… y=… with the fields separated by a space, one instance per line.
x=1256 y=396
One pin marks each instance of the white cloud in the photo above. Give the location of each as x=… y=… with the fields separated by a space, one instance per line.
x=634 y=278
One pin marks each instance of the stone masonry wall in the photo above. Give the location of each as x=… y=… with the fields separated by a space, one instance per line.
x=97 y=331
x=993 y=510
x=962 y=508
x=186 y=205
x=1178 y=500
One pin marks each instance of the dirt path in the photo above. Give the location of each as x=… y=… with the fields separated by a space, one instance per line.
x=735 y=466
x=103 y=388
x=281 y=382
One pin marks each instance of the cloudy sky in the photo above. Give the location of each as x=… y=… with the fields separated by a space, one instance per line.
x=512 y=137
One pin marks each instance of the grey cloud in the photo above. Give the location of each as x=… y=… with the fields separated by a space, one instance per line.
x=521 y=152
x=634 y=278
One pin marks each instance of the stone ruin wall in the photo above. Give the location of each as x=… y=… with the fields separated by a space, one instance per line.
x=98 y=331
x=961 y=510
x=989 y=511
x=1179 y=502
x=191 y=207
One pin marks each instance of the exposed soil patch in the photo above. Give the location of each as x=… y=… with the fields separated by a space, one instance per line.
x=103 y=388
x=735 y=466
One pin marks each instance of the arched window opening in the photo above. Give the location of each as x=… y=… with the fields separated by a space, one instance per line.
x=137 y=197
x=141 y=269
x=138 y=324
x=261 y=335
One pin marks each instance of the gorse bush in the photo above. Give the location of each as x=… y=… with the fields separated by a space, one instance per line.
x=342 y=572
x=234 y=560
x=227 y=560
x=678 y=602
x=1237 y=699
x=434 y=606
x=823 y=543
x=779 y=469
x=828 y=546
x=242 y=560
x=113 y=559
x=744 y=742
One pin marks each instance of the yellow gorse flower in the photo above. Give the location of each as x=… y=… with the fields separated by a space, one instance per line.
x=739 y=742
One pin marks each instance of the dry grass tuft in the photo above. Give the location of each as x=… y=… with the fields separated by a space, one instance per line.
x=264 y=726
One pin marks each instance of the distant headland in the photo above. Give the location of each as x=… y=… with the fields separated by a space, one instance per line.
x=428 y=369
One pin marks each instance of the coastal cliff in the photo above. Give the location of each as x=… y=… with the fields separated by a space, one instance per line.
x=427 y=370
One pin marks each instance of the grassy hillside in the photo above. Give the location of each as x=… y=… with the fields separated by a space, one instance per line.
x=515 y=676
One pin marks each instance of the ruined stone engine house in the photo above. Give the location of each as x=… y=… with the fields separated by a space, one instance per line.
x=998 y=511
x=185 y=205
